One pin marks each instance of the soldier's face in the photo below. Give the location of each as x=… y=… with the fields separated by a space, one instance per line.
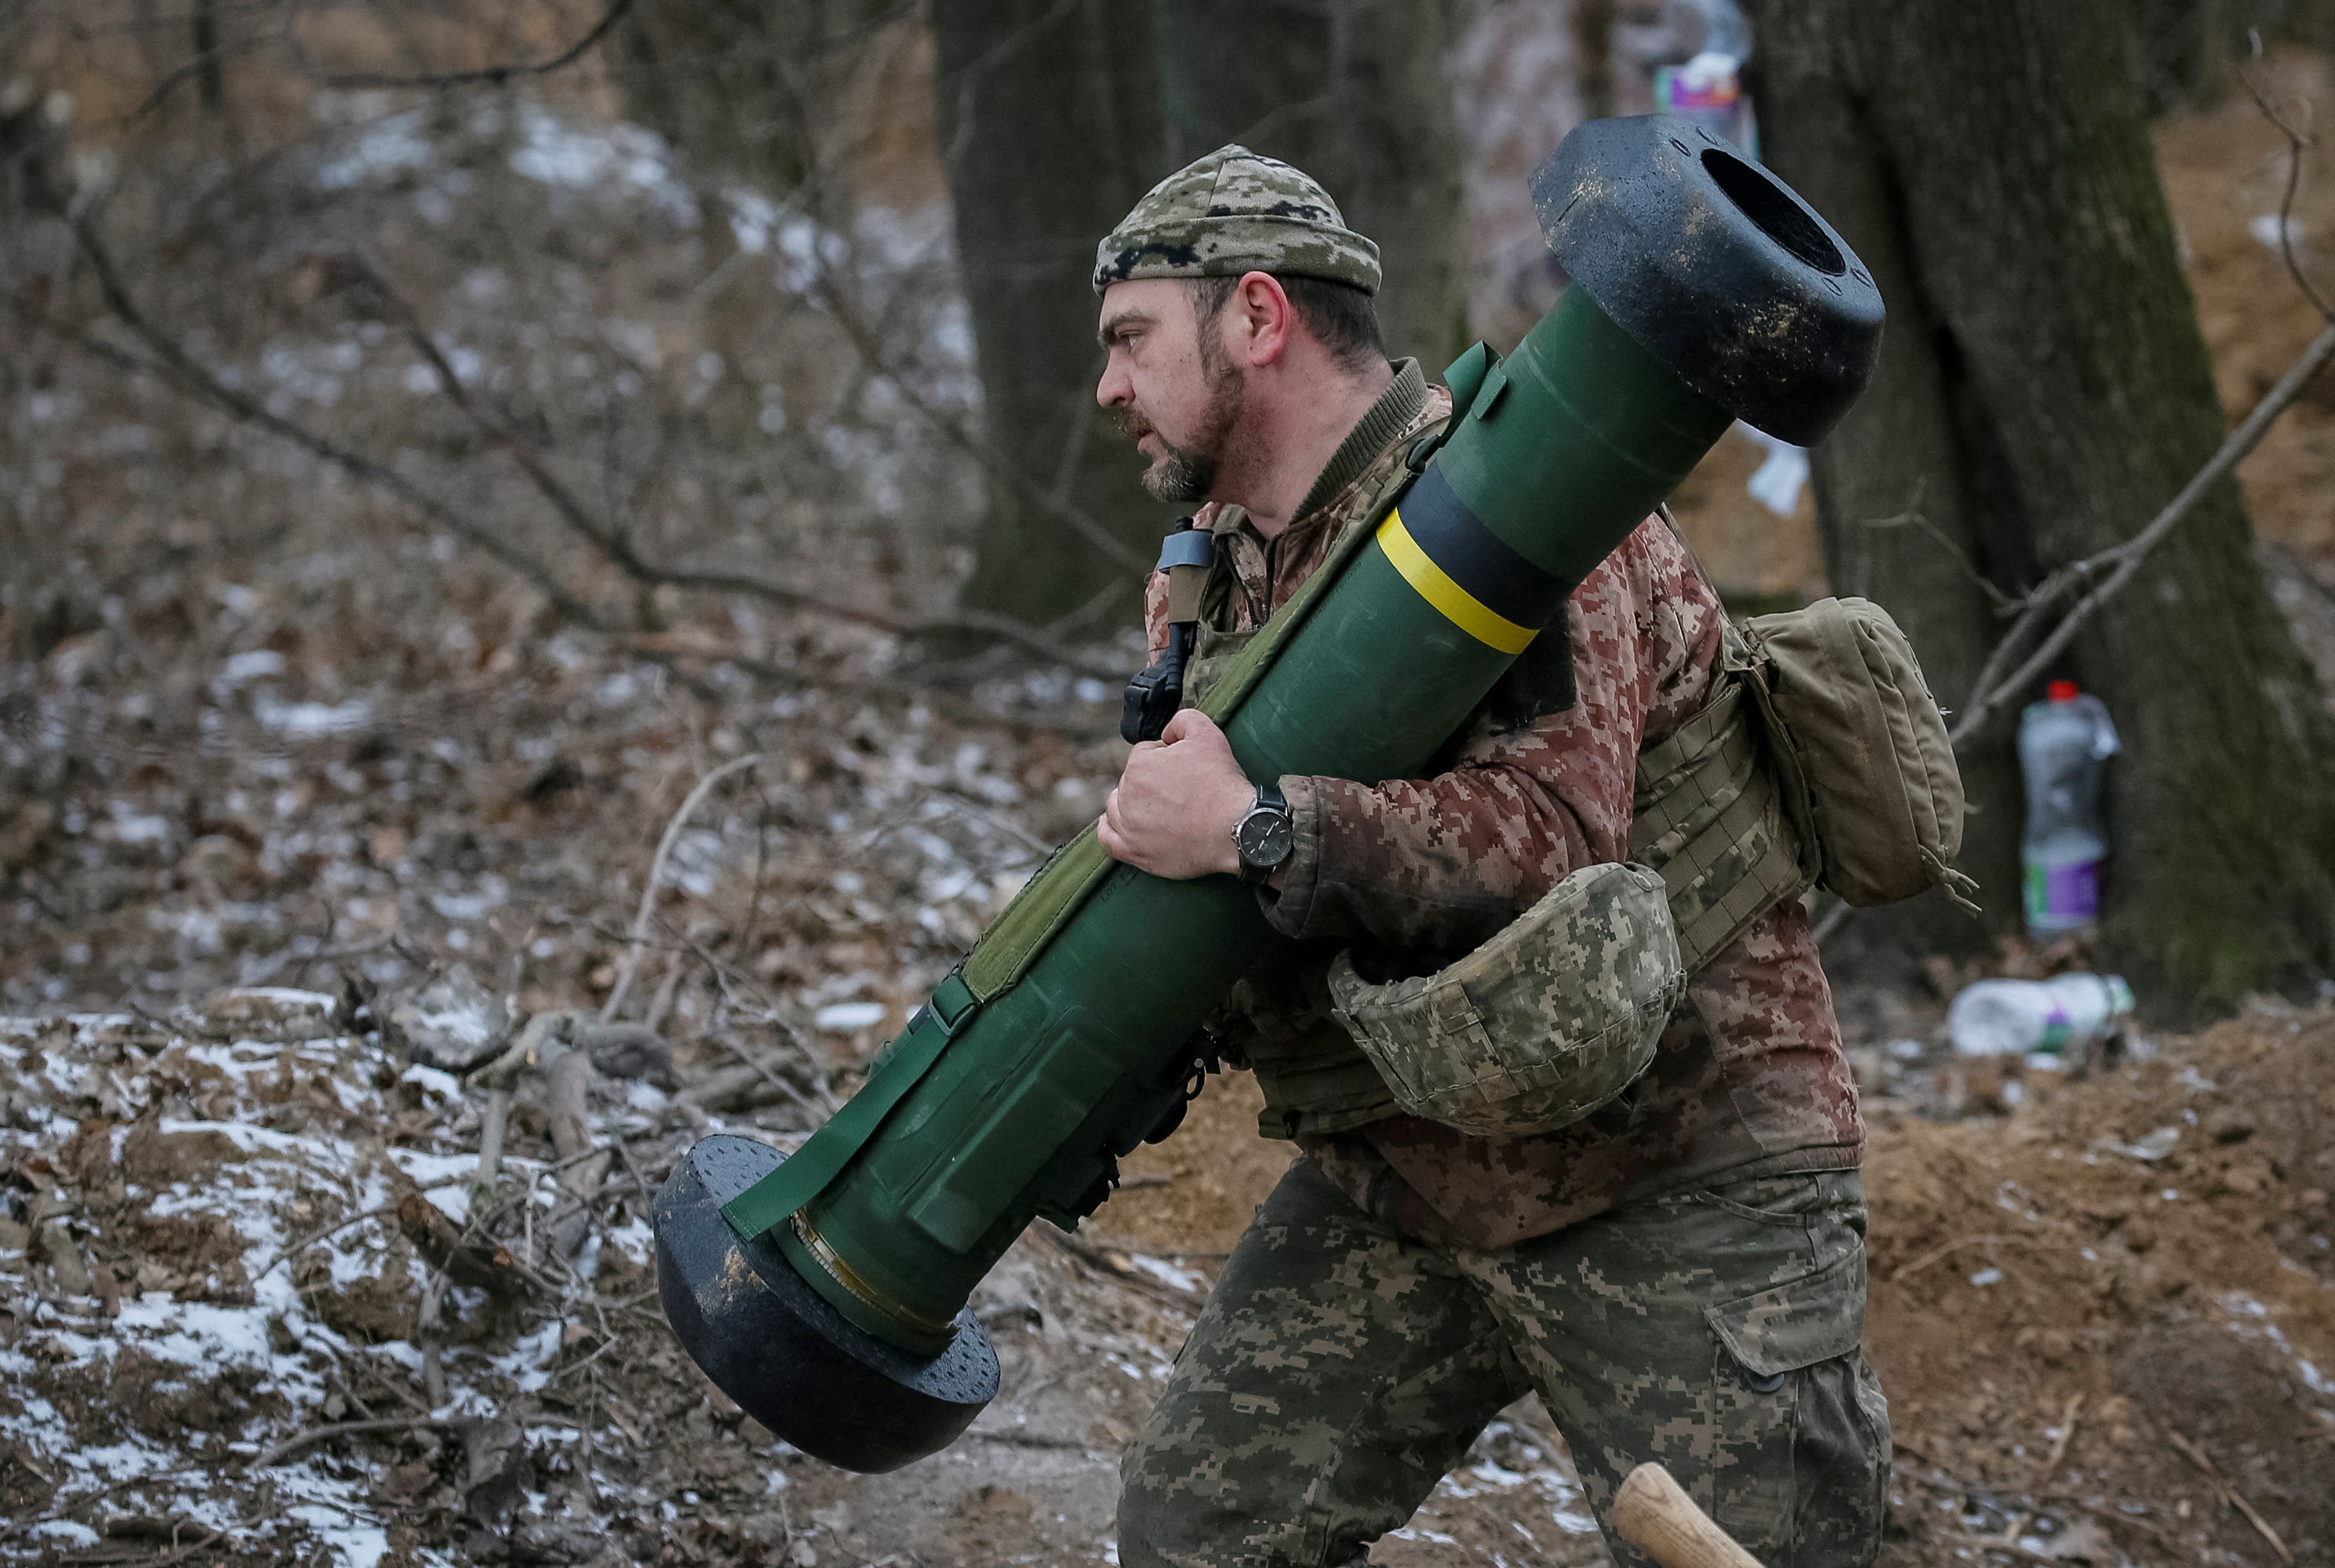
x=1170 y=385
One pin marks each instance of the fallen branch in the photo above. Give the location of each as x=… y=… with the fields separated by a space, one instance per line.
x=428 y=1328
x=2229 y=1494
x=483 y=1265
x=567 y=1083
x=300 y=1440
x=732 y=1089
x=181 y=1554
x=680 y=821
x=1117 y=1269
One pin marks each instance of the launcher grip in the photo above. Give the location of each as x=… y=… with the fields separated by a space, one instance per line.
x=1654 y=1515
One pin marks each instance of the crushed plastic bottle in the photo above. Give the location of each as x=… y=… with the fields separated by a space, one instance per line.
x=2022 y=1017
x=2062 y=741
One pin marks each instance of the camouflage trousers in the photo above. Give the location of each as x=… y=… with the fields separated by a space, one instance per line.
x=1340 y=1369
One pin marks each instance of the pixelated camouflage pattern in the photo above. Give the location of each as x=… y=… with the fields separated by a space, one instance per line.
x=1543 y=1024
x=1341 y=1368
x=1236 y=211
x=1748 y=1079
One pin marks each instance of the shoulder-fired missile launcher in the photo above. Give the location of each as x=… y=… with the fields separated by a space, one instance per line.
x=827 y=1292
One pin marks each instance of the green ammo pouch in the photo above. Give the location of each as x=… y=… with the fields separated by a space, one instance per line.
x=1543 y=1024
x=1865 y=761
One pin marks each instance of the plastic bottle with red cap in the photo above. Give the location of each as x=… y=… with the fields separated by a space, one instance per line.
x=2063 y=742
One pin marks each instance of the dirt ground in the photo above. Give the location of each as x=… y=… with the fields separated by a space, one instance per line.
x=2100 y=1319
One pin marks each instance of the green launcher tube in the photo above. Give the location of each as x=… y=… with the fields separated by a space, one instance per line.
x=1066 y=1036
x=1043 y=1085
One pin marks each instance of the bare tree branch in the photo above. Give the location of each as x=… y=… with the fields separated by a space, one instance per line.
x=613 y=543
x=2296 y=141
x=1913 y=517
x=194 y=378
x=489 y=75
x=2127 y=557
x=2122 y=562
x=840 y=305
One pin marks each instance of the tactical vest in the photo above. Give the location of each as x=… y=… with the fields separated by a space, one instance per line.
x=1707 y=814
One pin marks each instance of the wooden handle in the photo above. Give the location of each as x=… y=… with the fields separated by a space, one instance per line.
x=1654 y=1515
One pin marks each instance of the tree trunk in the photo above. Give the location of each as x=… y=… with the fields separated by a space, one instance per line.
x=737 y=84
x=1048 y=113
x=1354 y=92
x=2044 y=385
x=1593 y=50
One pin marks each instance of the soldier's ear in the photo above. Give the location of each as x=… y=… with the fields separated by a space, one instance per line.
x=1265 y=320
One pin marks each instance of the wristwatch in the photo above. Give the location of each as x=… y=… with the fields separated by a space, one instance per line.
x=1264 y=835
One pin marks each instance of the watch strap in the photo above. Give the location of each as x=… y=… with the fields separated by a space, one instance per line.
x=1269 y=797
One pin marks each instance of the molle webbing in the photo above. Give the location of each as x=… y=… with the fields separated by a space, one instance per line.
x=1709 y=816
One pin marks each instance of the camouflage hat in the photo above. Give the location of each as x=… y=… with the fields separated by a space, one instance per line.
x=1235 y=211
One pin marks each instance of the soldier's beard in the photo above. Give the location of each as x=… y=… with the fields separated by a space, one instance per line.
x=1189 y=472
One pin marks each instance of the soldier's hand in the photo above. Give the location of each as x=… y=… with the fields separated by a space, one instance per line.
x=1173 y=812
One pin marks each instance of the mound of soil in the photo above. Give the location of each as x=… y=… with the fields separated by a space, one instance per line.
x=2077 y=1310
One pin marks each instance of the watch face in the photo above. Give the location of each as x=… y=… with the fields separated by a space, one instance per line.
x=1264 y=835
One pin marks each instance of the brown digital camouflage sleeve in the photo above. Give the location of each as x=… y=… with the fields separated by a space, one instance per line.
x=1444 y=862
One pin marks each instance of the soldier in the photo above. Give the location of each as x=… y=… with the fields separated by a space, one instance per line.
x=1681 y=1275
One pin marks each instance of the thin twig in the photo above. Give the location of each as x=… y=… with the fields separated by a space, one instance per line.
x=1913 y=517
x=2296 y=142
x=1106 y=543
x=490 y=75
x=300 y=1440
x=1932 y=1256
x=656 y=872
x=305 y=1242
x=2230 y=1495
x=2067 y=1435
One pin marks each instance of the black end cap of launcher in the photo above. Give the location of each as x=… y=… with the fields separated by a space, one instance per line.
x=1714 y=266
x=773 y=1344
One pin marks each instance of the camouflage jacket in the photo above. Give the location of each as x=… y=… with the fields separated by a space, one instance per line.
x=1749 y=1080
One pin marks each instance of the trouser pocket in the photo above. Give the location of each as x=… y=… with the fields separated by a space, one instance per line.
x=1803 y=1418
